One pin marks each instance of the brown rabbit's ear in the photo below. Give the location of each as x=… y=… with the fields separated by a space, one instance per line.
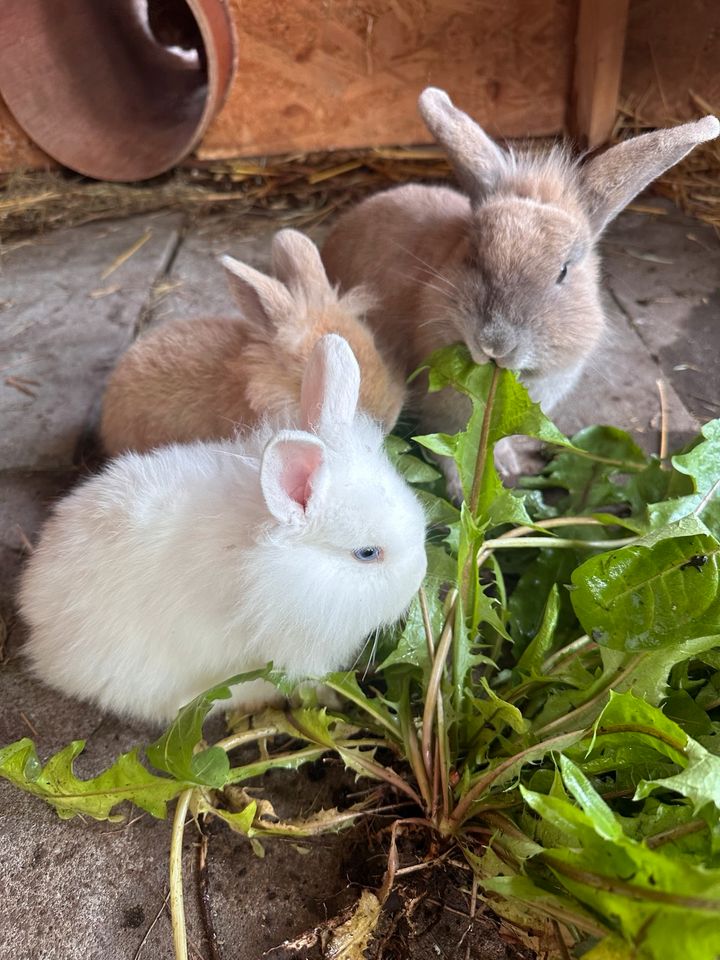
x=263 y=300
x=331 y=385
x=296 y=262
x=478 y=162
x=613 y=178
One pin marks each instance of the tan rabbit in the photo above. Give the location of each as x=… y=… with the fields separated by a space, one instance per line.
x=509 y=266
x=201 y=379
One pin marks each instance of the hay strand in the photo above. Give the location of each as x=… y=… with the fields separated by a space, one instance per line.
x=296 y=189
x=694 y=184
x=304 y=189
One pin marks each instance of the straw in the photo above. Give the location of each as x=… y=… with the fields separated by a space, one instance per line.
x=302 y=189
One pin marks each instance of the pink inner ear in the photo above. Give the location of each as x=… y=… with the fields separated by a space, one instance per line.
x=300 y=463
x=298 y=485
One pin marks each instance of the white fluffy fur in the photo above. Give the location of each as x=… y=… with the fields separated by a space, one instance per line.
x=167 y=572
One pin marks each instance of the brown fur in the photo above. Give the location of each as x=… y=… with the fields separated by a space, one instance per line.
x=509 y=266
x=203 y=379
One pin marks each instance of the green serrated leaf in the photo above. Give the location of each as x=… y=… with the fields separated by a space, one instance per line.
x=411 y=468
x=57 y=784
x=513 y=412
x=701 y=465
x=373 y=708
x=699 y=781
x=176 y=750
x=593 y=470
x=538 y=649
x=653 y=593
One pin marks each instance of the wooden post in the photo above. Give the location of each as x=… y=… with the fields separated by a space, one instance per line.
x=599 y=44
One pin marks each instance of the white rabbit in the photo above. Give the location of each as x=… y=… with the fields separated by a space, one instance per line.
x=173 y=570
x=509 y=266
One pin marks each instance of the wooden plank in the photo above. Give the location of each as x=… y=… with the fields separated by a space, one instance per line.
x=599 y=45
x=320 y=76
x=672 y=49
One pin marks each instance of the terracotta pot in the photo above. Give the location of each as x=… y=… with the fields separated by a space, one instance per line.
x=91 y=84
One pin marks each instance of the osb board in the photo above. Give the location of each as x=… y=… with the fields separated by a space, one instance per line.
x=17 y=151
x=671 y=48
x=345 y=74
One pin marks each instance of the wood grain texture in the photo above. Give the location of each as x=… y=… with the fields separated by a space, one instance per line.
x=598 y=67
x=344 y=74
x=672 y=49
x=17 y=151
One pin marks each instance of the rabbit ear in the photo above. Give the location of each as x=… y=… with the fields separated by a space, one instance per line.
x=612 y=179
x=292 y=475
x=331 y=385
x=297 y=264
x=263 y=300
x=477 y=161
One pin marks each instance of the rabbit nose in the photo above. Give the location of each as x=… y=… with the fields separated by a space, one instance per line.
x=497 y=348
x=497 y=352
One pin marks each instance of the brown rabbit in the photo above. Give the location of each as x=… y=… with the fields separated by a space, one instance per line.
x=201 y=379
x=509 y=266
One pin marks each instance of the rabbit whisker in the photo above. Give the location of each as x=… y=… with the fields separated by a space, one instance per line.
x=432 y=270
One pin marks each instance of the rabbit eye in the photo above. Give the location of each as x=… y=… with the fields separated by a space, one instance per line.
x=562 y=274
x=368 y=554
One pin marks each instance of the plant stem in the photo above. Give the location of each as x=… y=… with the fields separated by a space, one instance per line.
x=577 y=646
x=615 y=885
x=667 y=836
x=482 y=451
x=416 y=761
x=462 y=810
x=707 y=498
x=422 y=598
x=432 y=693
x=379 y=772
x=628 y=465
x=442 y=759
x=582 y=708
x=503 y=543
x=646 y=731
x=177 y=907
x=249 y=736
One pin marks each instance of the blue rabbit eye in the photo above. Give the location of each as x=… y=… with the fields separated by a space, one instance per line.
x=367 y=554
x=562 y=274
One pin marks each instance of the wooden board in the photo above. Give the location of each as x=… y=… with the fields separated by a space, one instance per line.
x=671 y=49
x=17 y=151
x=321 y=76
x=598 y=66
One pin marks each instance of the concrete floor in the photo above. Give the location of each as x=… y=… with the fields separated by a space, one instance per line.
x=68 y=308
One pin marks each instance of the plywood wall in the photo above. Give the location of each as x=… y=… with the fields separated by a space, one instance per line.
x=324 y=74
x=343 y=74
x=17 y=151
x=672 y=48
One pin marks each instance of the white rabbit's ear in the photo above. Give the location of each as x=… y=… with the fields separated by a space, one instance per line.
x=478 y=162
x=297 y=264
x=614 y=177
x=292 y=475
x=331 y=385
x=263 y=300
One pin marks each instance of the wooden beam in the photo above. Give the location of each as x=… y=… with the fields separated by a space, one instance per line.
x=599 y=44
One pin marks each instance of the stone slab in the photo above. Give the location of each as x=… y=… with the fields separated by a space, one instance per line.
x=196 y=283
x=664 y=272
x=24 y=502
x=91 y=890
x=64 y=319
x=619 y=388
x=80 y=889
